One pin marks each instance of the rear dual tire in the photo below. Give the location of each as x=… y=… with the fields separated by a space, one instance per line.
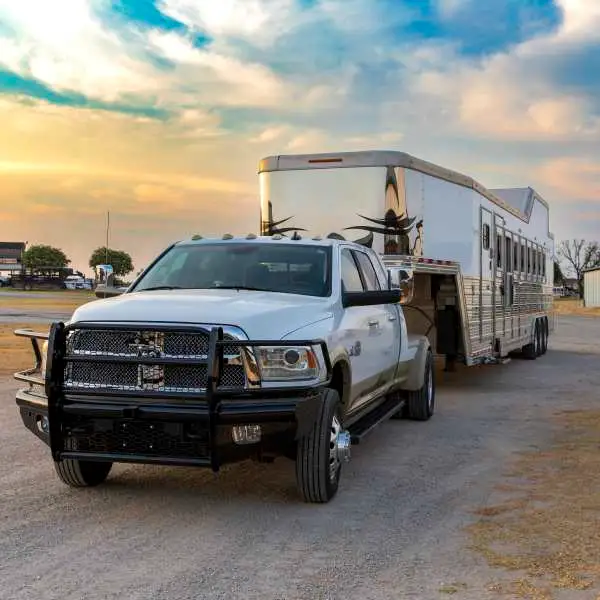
x=539 y=345
x=420 y=404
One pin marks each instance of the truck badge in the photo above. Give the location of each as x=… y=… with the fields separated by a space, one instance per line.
x=355 y=349
x=149 y=376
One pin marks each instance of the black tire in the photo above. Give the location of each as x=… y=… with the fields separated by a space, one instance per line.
x=82 y=473
x=539 y=337
x=420 y=404
x=546 y=333
x=315 y=481
x=529 y=351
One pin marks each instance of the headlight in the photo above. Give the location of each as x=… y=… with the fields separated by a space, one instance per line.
x=292 y=363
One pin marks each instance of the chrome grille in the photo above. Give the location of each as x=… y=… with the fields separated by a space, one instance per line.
x=132 y=376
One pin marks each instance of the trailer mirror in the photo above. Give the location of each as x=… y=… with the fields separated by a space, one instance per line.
x=401 y=278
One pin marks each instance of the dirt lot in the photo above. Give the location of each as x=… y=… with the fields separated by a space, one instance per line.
x=496 y=497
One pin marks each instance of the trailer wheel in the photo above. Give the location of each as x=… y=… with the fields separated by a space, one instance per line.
x=321 y=452
x=420 y=404
x=545 y=335
x=82 y=473
x=529 y=351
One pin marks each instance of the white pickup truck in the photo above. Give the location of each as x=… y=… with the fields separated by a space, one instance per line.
x=229 y=349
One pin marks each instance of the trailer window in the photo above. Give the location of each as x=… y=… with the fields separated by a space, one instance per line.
x=486 y=236
x=516 y=256
x=498 y=251
x=529 y=260
x=544 y=265
x=507 y=254
x=523 y=259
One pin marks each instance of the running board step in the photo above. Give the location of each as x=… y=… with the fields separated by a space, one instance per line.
x=362 y=428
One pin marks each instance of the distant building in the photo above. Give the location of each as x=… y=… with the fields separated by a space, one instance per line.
x=11 y=257
x=591 y=287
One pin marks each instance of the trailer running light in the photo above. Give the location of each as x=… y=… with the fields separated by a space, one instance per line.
x=246 y=434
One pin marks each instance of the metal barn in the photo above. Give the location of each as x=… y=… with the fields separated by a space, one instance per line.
x=591 y=287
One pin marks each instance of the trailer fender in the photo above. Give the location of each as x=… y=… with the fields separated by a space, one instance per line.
x=416 y=365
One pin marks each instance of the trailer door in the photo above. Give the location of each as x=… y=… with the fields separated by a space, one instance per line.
x=486 y=282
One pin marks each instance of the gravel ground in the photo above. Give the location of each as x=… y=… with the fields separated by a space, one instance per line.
x=395 y=530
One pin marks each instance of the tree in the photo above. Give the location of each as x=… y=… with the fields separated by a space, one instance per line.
x=121 y=261
x=40 y=256
x=579 y=255
x=559 y=278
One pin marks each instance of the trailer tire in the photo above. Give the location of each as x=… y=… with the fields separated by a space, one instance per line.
x=529 y=351
x=318 y=465
x=420 y=404
x=82 y=473
x=545 y=334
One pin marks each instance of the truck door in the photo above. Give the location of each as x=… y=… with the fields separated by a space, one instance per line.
x=486 y=284
x=367 y=333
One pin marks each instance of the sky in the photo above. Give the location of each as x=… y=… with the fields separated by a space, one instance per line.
x=159 y=110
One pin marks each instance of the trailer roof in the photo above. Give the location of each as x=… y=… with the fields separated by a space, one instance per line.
x=388 y=158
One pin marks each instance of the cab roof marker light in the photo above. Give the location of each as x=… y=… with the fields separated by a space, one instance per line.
x=325 y=160
x=196 y=237
x=251 y=236
x=318 y=238
x=277 y=236
x=227 y=236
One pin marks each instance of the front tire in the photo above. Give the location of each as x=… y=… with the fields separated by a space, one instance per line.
x=318 y=464
x=420 y=404
x=82 y=473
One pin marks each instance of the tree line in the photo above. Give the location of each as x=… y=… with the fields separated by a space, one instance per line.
x=577 y=256
x=42 y=256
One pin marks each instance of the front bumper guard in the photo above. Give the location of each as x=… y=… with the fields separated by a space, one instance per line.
x=45 y=404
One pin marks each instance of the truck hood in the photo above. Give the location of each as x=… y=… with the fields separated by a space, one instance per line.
x=262 y=315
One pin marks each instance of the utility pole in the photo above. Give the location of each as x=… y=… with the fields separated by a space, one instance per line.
x=107 y=235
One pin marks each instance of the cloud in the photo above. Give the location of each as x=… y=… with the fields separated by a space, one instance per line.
x=573 y=179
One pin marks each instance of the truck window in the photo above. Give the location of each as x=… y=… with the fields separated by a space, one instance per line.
x=368 y=271
x=351 y=280
x=285 y=267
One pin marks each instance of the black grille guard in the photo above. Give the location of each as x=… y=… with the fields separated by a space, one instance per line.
x=52 y=381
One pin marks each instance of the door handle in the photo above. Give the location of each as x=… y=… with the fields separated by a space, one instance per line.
x=391 y=317
x=373 y=323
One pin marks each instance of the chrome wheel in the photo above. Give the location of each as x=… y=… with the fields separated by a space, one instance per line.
x=339 y=448
x=429 y=391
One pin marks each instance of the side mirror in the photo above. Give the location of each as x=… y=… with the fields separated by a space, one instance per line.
x=370 y=298
x=402 y=279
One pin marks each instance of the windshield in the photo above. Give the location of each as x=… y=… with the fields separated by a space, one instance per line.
x=286 y=268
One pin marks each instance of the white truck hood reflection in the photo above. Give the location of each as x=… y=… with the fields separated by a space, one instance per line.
x=262 y=315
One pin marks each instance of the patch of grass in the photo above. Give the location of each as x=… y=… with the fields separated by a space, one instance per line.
x=549 y=532
x=452 y=588
x=16 y=353
x=573 y=306
x=63 y=301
